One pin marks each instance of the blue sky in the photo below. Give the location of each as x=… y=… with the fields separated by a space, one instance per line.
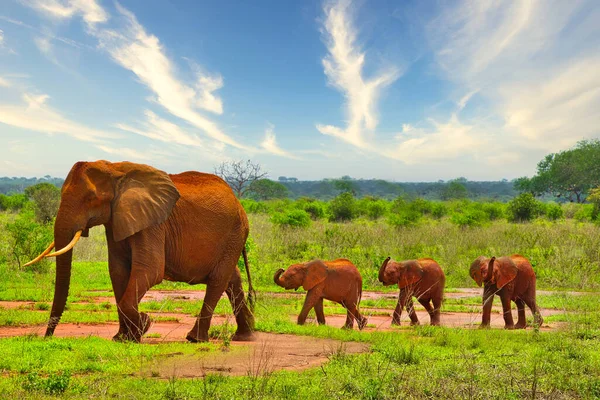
x=399 y=90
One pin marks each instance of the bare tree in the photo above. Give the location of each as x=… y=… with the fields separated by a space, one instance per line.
x=240 y=174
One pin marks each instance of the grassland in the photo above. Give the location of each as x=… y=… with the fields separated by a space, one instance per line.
x=405 y=362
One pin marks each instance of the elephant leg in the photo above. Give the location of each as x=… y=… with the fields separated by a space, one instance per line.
x=410 y=308
x=243 y=317
x=507 y=312
x=429 y=308
x=521 y=321
x=535 y=310
x=399 y=307
x=311 y=300
x=352 y=314
x=488 y=301
x=119 y=270
x=319 y=312
x=214 y=291
x=437 y=311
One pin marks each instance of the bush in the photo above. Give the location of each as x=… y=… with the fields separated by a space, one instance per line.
x=439 y=210
x=554 y=211
x=523 y=208
x=469 y=218
x=405 y=218
x=14 y=202
x=494 y=211
x=28 y=239
x=254 y=207
x=315 y=208
x=46 y=198
x=421 y=205
x=342 y=208
x=54 y=384
x=293 y=218
x=585 y=213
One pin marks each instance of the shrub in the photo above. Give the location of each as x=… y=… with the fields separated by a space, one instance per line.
x=421 y=205
x=46 y=198
x=315 y=208
x=54 y=384
x=439 y=210
x=342 y=208
x=405 y=218
x=585 y=213
x=523 y=208
x=254 y=207
x=28 y=239
x=14 y=202
x=469 y=218
x=293 y=218
x=494 y=211
x=554 y=211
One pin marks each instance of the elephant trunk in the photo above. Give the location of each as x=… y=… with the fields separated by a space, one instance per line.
x=62 y=236
x=382 y=269
x=277 y=277
x=490 y=270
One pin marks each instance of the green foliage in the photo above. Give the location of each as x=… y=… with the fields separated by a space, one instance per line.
x=494 y=211
x=343 y=208
x=315 y=208
x=553 y=211
x=585 y=213
x=266 y=189
x=523 y=208
x=404 y=218
x=13 y=202
x=27 y=239
x=439 y=210
x=293 y=218
x=54 y=384
x=254 y=207
x=46 y=198
x=469 y=218
x=454 y=190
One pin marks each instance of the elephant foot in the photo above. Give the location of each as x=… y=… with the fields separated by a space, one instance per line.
x=484 y=326
x=414 y=323
x=193 y=337
x=520 y=326
x=509 y=327
x=435 y=323
x=244 y=337
x=362 y=323
x=134 y=333
x=395 y=322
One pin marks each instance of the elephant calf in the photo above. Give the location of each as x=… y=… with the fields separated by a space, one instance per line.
x=422 y=278
x=337 y=280
x=513 y=279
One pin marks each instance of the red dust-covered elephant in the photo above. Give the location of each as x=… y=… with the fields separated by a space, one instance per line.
x=423 y=279
x=512 y=279
x=338 y=280
x=187 y=227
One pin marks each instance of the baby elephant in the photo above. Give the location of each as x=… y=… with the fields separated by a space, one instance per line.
x=337 y=280
x=422 y=278
x=512 y=278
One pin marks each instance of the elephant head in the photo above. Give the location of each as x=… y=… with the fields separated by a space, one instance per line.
x=403 y=273
x=125 y=197
x=307 y=275
x=494 y=271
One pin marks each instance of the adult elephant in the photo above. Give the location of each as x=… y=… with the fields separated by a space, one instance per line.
x=512 y=279
x=187 y=227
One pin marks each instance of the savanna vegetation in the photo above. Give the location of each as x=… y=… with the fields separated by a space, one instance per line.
x=560 y=360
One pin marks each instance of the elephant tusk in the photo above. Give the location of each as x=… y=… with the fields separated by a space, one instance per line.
x=42 y=255
x=67 y=247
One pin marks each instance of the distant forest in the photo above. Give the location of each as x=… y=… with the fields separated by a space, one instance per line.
x=329 y=188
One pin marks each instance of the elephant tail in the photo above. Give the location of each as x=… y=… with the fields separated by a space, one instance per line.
x=251 y=291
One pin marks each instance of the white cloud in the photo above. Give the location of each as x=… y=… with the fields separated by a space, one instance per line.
x=36 y=115
x=91 y=12
x=1 y=37
x=143 y=54
x=271 y=146
x=534 y=62
x=344 y=69
x=445 y=141
x=127 y=153
x=465 y=99
x=4 y=82
x=162 y=130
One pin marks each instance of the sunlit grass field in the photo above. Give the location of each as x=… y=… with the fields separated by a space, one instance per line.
x=405 y=362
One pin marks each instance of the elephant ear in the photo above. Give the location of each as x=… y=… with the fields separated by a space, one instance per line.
x=476 y=271
x=505 y=270
x=144 y=197
x=410 y=273
x=316 y=272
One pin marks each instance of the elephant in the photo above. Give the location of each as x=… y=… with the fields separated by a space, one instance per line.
x=187 y=227
x=422 y=278
x=338 y=280
x=513 y=279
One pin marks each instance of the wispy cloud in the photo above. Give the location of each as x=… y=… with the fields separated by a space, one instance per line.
x=162 y=130
x=91 y=12
x=35 y=115
x=127 y=153
x=343 y=67
x=270 y=144
x=4 y=82
x=534 y=62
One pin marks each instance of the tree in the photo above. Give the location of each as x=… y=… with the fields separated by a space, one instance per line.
x=569 y=174
x=266 y=189
x=46 y=199
x=454 y=190
x=346 y=185
x=240 y=175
